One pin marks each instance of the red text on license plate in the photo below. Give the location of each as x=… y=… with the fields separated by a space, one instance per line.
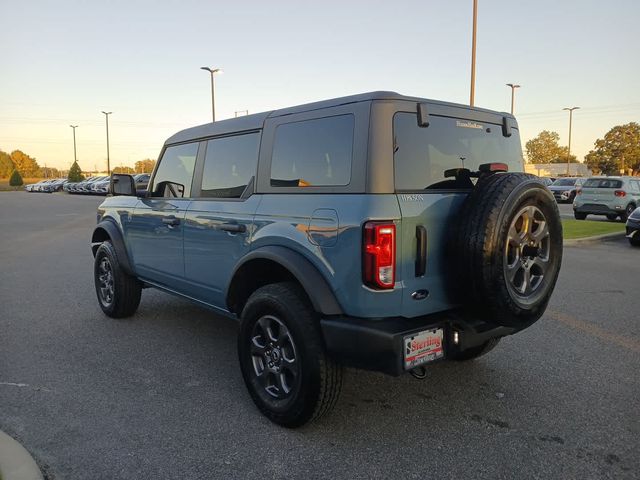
x=423 y=347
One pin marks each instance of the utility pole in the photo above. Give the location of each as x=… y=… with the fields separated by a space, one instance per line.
x=473 y=53
x=212 y=71
x=569 y=148
x=75 y=158
x=513 y=90
x=106 y=115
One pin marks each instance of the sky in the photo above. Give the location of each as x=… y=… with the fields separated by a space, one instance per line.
x=63 y=62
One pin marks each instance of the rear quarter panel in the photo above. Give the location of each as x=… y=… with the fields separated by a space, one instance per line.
x=331 y=242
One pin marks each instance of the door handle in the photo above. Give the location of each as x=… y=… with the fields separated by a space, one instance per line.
x=421 y=253
x=171 y=220
x=233 y=227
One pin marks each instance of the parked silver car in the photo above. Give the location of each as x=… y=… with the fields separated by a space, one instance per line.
x=610 y=196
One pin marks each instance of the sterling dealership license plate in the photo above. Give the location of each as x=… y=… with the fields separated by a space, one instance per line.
x=423 y=347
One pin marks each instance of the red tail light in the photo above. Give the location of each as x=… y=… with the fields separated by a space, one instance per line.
x=620 y=193
x=379 y=255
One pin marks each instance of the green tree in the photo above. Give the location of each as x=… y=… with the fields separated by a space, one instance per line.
x=75 y=174
x=26 y=165
x=618 y=150
x=16 y=179
x=6 y=165
x=145 y=166
x=545 y=148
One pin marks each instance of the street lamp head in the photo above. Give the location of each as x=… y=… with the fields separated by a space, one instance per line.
x=212 y=71
x=73 y=126
x=513 y=85
x=107 y=113
x=571 y=109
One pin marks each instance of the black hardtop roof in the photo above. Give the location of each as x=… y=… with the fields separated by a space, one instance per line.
x=255 y=121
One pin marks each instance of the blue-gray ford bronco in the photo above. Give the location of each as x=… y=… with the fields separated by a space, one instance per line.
x=375 y=231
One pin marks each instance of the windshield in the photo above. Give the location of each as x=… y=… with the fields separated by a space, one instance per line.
x=564 y=182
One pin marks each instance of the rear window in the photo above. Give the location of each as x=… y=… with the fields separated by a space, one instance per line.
x=313 y=153
x=602 y=183
x=421 y=155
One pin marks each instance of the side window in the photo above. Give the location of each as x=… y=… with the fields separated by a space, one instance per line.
x=313 y=153
x=635 y=186
x=175 y=172
x=229 y=165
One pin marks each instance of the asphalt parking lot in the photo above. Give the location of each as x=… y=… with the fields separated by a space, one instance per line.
x=160 y=395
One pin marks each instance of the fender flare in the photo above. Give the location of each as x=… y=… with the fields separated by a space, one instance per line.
x=314 y=284
x=114 y=234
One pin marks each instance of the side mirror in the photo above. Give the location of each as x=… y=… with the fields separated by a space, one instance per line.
x=122 y=184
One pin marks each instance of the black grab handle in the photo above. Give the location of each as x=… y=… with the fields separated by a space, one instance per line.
x=421 y=254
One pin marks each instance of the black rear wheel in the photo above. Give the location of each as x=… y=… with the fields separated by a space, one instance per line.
x=475 y=352
x=612 y=216
x=579 y=216
x=627 y=212
x=284 y=365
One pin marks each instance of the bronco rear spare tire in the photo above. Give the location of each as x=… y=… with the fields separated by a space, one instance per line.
x=509 y=249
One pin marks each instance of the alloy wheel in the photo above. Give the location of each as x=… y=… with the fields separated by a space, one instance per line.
x=274 y=357
x=105 y=280
x=527 y=252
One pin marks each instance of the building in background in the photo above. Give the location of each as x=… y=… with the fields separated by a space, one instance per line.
x=557 y=169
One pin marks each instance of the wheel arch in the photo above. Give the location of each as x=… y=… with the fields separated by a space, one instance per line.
x=107 y=230
x=272 y=264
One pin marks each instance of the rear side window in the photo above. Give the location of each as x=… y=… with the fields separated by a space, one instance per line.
x=229 y=165
x=635 y=186
x=421 y=155
x=175 y=171
x=602 y=183
x=313 y=153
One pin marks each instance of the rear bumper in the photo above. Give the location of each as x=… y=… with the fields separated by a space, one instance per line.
x=598 y=209
x=377 y=344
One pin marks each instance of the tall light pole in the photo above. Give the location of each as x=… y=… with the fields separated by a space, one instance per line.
x=212 y=71
x=106 y=116
x=473 y=54
x=513 y=92
x=75 y=158
x=570 y=121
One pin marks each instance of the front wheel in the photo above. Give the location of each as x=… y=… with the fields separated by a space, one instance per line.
x=579 y=216
x=612 y=216
x=284 y=365
x=118 y=293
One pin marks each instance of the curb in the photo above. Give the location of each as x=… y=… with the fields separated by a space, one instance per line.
x=15 y=462
x=594 y=239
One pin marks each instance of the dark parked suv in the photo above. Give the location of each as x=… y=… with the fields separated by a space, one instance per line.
x=377 y=231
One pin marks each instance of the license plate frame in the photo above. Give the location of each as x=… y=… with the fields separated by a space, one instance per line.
x=423 y=347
